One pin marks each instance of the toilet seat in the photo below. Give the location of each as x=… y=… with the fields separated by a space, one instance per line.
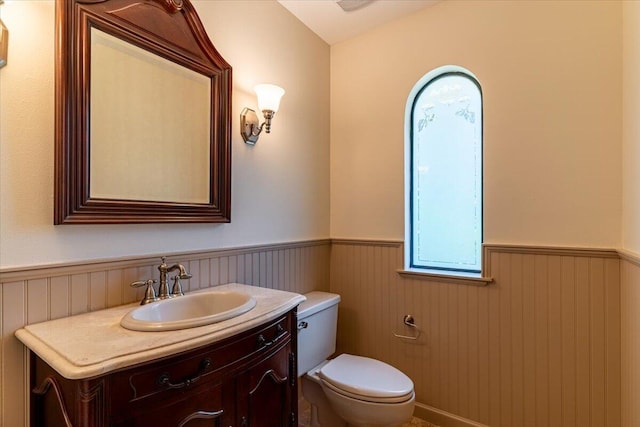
x=366 y=379
x=389 y=400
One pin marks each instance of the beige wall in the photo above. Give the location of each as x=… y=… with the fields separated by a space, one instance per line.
x=631 y=127
x=540 y=346
x=264 y=43
x=550 y=73
x=631 y=215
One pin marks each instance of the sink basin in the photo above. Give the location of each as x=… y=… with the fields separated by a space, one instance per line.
x=188 y=311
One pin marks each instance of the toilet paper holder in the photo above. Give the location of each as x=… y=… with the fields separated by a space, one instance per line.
x=408 y=320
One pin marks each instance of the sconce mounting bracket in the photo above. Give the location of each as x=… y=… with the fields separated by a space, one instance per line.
x=249 y=126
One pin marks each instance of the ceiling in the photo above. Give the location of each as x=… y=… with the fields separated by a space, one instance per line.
x=333 y=24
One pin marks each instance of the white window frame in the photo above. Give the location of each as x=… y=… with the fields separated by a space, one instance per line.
x=474 y=278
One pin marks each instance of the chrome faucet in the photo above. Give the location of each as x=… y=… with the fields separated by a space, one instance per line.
x=163 y=290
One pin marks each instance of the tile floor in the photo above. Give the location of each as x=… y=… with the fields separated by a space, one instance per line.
x=417 y=422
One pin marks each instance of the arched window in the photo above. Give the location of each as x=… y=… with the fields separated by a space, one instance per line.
x=443 y=143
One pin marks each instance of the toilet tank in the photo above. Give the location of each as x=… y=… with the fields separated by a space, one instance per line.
x=317 y=325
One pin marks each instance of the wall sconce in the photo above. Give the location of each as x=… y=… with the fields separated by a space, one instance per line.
x=268 y=101
x=4 y=42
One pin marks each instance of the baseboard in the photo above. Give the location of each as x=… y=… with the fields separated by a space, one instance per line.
x=442 y=418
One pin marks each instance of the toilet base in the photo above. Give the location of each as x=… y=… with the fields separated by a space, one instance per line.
x=322 y=412
x=322 y=415
x=368 y=414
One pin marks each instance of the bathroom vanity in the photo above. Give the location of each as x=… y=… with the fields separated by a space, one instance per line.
x=87 y=370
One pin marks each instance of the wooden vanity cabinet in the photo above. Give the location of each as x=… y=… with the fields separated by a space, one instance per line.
x=248 y=380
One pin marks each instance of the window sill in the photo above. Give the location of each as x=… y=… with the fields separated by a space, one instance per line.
x=439 y=276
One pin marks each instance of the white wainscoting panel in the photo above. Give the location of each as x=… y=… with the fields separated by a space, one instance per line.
x=630 y=340
x=548 y=343
x=539 y=346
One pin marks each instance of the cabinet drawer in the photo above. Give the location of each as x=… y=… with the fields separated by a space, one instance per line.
x=162 y=380
x=167 y=377
x=198 y=408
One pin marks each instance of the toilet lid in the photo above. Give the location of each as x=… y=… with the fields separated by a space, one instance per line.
x=365 y=377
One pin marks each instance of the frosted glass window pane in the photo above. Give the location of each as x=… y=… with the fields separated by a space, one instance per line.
x=446 y=193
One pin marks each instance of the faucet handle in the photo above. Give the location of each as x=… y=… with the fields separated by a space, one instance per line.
x=140 y=283
x=150 y=292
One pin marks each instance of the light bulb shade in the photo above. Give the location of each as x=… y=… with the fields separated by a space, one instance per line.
x=269 y=96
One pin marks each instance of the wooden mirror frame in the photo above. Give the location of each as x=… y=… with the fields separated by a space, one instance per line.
x=172 y=30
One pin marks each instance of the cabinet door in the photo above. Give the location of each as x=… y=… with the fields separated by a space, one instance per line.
x=265 y=392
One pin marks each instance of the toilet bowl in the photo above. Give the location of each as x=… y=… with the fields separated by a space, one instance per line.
x=348 y=390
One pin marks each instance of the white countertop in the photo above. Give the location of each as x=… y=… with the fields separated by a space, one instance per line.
x=92 y=344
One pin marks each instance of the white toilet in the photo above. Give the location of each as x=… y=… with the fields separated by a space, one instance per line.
x=348 y=390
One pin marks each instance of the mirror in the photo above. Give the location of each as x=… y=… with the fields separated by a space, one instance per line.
x=142 y=115
x=174 y=102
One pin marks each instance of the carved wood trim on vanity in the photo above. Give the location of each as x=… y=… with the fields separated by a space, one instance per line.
x=273 y=376
x=94 y=397
x=201 y=415
x=50 y=383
